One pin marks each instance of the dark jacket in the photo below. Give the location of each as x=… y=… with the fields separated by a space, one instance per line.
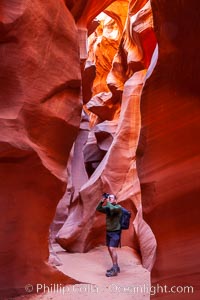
x=113 y=215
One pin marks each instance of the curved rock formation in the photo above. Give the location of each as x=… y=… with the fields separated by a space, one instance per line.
x=48 y=152
x=111 y=147
x=40 y=111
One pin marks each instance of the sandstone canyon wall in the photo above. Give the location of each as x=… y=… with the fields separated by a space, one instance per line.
x=55 y=149
x=40 y=107
x=168 y=159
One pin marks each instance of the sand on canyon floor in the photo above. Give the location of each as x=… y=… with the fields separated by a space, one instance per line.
x=133 y=282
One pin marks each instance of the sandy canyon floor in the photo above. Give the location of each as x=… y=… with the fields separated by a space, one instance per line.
x=131 y=283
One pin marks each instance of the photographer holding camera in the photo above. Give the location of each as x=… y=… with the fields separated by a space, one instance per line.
x=108 y=205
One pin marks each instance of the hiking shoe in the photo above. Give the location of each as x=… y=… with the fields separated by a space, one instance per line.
x=112 y=273
x=118 y=269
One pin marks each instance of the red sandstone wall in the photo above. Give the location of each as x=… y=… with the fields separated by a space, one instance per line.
x=40 y=111
x=168 y=159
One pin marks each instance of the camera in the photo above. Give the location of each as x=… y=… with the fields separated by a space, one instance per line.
x=105 y=195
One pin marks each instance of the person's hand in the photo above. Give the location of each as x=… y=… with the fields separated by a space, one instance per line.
x=103 y=200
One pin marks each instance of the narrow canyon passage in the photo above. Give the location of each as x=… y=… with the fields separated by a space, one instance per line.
x=95 y=97
x=103 y=158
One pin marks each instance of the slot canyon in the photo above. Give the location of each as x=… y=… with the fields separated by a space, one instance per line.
x=99 y=96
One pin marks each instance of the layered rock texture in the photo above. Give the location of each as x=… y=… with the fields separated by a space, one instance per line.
x=83 y=111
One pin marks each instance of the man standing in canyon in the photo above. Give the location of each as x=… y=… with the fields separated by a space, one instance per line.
x=108 y=205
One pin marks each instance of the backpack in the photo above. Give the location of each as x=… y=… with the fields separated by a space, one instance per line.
x=125 y=218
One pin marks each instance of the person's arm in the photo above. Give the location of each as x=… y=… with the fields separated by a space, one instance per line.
x=100 y=207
